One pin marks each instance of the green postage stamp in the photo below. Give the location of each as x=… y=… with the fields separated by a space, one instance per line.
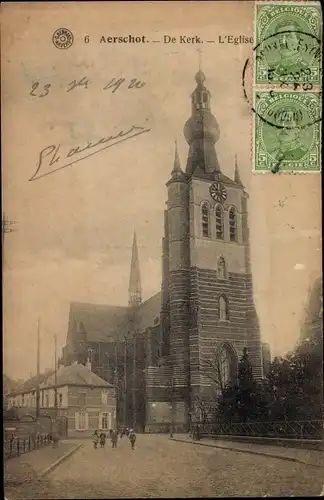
x=287 y=129
x=288 y=43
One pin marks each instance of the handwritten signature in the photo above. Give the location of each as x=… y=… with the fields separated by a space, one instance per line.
x=49 y=156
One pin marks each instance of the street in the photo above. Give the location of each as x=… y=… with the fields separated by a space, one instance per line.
x=160 y=467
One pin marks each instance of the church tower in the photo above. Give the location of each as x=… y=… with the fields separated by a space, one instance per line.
x=134 y=289
x=207 y=297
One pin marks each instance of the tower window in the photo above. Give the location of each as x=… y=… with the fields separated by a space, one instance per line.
x=232 y=225
x=205 y=220
x=221 y=268
x=219 y=223
x=223 y=308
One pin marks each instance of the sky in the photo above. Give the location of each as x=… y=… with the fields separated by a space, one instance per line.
x=74 y=227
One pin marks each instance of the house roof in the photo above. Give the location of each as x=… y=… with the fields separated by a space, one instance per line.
x=31 y=383
x=75 y=374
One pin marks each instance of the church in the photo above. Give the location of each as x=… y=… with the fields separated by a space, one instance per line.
x=183 y=344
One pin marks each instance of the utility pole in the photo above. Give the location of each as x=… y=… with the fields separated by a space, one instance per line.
x=134 y=382
x=116 y=381
x=125 y=381
x=55 y=377
x=38 y=378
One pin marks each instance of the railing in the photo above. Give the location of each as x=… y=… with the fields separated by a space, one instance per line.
x=165 y=427
x=308 y=429
x=157 y=428
x=17 y=446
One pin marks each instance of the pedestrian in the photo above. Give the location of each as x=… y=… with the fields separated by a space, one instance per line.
x=95 y=439
x=114 y=437
x=110 y=433
x=102 y=440
x=132 y=438
x=55 y=439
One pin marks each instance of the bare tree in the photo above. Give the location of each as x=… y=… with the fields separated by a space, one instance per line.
x=214 y=368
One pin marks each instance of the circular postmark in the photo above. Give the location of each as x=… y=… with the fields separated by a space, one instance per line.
x=281 y=84
x=288 y=44
x=287 y=131
x=62 y=38
x=275 y=73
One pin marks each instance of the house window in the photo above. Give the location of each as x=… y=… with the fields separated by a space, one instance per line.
x=81 y=421
x=23 y=400
x=232 y=224
x=104 y=397
x=105 y=421
x=219 y=223
x=42 y=398
x=205 y=220
x=60 y=399
x=47 y=400
x=81 y=400
x=221 y=268
x=223 y=308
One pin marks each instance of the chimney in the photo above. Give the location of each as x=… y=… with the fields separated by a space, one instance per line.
x=88 y=366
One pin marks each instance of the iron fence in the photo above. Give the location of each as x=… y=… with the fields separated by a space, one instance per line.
x=15 y=447
x=308 y=429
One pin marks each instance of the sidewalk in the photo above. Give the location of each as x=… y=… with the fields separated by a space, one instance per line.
x=309 y=457
x=31 y=466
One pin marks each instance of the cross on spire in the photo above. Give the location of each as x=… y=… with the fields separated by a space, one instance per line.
x=199 y=58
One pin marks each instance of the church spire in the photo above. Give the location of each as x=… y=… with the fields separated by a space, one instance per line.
x=176 y=162
x=201 y=131
x=135 y=289
x=237 y=177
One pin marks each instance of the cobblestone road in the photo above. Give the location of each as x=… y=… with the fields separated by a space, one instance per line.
x=159 y=467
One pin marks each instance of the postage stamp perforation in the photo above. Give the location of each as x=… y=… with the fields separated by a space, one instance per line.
x=286 y=2
x=286 y=87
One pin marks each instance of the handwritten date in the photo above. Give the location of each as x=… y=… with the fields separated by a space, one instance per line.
x=39 y=90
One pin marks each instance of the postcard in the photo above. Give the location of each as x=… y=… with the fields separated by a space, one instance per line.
x=161 y=231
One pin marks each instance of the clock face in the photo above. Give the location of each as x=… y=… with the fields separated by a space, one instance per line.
x=218 y=192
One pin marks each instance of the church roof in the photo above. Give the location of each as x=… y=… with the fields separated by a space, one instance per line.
x=102 y=323
x=149 y=311
x=214 y=176
x=105 y=323
x=75 y=374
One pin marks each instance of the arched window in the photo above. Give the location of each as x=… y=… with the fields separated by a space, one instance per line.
x=219 y=223
x=223 y=308
x=232 y=225
x=221 y=268
x=205 y=219
x=205 y=99
x=225 y=366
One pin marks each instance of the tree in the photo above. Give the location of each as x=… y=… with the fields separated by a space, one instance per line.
x=244 y=399
x=205 y=404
